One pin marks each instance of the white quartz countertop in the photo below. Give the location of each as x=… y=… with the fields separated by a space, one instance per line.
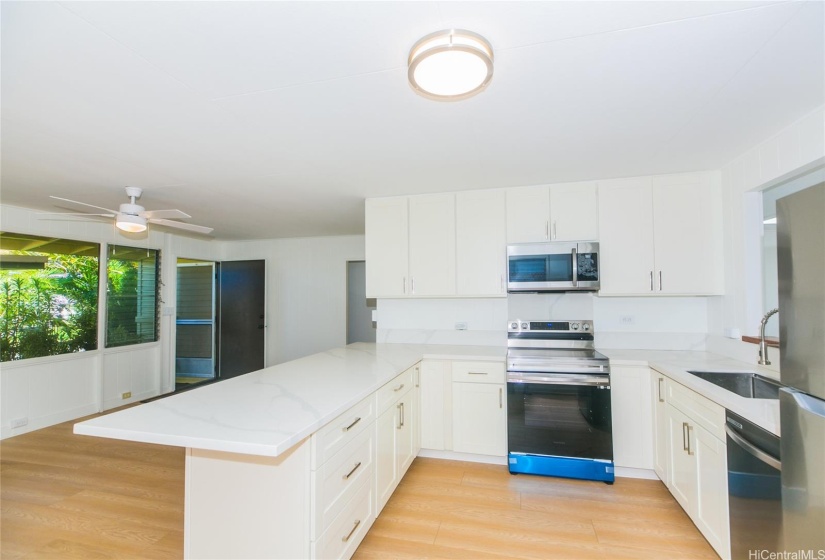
x=268 y=411
x=676 y=364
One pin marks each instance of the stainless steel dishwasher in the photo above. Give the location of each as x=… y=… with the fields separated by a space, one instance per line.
x=754 y=489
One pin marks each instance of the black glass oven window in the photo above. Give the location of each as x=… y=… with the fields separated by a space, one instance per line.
x=559 y=420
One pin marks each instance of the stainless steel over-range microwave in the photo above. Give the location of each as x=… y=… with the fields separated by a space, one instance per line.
x=553 y=267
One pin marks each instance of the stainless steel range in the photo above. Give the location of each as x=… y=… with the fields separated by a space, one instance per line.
x=558 y=401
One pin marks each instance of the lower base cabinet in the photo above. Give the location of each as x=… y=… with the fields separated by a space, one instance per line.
x=479 y=408
x=696 y=462
x=631 y=416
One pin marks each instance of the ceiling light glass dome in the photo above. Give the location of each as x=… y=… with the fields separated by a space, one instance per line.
x=450 y=65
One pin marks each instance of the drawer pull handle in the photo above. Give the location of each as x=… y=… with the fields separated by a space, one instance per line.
x=400 y=421
x=354 y=527
x=398 y=388
x=477 y=372
x=350 y=473
x=348 y=428
x=689 y=450
x=684 y=436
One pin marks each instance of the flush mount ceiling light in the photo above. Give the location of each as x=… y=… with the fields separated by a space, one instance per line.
x=450 y=65
x=132 y=224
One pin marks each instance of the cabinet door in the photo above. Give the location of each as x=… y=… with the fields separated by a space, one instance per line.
x=711 y=508
x=687 y=233
x=661 y=435
x=480 y=243
x=386 y=242
x=386 y=465
x=574 y=212
x=479 y=418
x=432 y=245
x=632 y=417
x=528 y=214
x=682 y=463
x=626 y=236
x=434 y=395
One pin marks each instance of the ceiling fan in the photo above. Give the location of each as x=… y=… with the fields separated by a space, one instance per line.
x=132 y=217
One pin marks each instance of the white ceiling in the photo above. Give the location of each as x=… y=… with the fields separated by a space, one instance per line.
x=277 y=119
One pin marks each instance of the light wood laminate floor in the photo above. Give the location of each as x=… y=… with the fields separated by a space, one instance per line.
x=67 y=496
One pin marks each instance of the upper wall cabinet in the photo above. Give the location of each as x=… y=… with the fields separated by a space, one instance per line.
x=432 y=245
x=480 y=243
x=562 y=212
x=660 y=235
x=386 y=247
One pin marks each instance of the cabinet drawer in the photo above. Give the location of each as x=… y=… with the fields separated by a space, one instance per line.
x=337 y=434
x=348 y=529
x=701 y=410
x=395 y=389
x=336 y=481
x=479 y=372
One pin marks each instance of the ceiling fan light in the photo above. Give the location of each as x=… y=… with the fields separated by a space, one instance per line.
x=450 y=65
x=130 y=224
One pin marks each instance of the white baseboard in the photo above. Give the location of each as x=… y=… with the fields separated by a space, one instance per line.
x=627 y=472
x=45 y=421
x=456 y=456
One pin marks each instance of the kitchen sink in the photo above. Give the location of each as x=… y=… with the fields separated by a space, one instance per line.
x=744 y=383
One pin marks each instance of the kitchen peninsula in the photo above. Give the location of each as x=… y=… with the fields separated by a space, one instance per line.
x=264 y=449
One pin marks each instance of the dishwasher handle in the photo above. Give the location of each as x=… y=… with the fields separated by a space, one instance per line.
x=753 y=450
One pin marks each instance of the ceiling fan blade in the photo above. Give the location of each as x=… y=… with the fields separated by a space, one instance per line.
x=181 y=225
x=74 y=214
x=161 y=214
x=65 y=202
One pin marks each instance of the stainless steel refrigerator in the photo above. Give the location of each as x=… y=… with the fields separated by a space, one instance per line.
x=801 y=260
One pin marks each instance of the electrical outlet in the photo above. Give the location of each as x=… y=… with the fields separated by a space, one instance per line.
x=461 y=326
x=127 y=395
x=19 y=422
x=627 y=320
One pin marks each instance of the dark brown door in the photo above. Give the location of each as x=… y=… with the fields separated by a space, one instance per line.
x=241 y=318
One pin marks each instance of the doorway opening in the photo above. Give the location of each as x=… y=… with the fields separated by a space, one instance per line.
x=195 y=323
x=360 y=326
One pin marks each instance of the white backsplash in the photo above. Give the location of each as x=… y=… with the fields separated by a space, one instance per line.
x=645 y=323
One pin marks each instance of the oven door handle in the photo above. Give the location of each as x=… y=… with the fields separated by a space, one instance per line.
x=601 y=380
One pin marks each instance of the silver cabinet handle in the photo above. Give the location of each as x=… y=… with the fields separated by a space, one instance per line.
x=398 y=388
x=417 y=376
x=502 y=284
x=412 y=284
x=500 y=397
x=547 y=230
x=404 y=284
x=660 y=280
x=348 y=428
x=398 y=407
x=689 y=428
x=354 y=527
x=651 y=280
x=350 y=473
x=476 y=373
x=402 y=415
x=684 y=436
x=554 y=229
x=660 y=389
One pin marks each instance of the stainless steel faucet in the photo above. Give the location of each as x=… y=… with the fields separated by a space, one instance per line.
x=763 y=346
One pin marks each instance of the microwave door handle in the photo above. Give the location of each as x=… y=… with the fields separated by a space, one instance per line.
x=575 y=268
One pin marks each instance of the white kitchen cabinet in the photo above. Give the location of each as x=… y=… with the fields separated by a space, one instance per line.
x=435 y=397
x=481 y=240
x=561 y=212
x=432 y=245
x=698 y=463
x=386 y=247
x=661 y=435
x=479 y=408
x=632 y=417
x=660 y=235
x=396 y=445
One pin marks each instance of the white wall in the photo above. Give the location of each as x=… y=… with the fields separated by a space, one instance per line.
x=796 y=150
x=306 y=291
x=55 y=389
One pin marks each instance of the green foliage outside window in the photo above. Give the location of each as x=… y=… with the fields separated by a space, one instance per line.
x=50 y=308
x=132 y=295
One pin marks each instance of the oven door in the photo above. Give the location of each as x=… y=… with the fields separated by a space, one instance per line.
x=561 y=415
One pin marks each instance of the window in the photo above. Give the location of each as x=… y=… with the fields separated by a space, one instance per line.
x=132 y=295
x=48 y=296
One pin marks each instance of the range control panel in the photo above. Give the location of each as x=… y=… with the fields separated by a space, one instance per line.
x=520 y=325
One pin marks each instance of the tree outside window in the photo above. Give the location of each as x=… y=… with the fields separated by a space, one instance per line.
x=48 y=296
x=132 y=295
